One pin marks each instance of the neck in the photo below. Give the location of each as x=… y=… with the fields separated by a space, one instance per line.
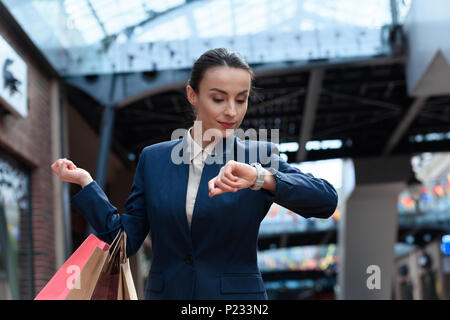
x=203 y=143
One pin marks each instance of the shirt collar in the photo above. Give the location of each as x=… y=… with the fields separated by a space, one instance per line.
x=194 y=149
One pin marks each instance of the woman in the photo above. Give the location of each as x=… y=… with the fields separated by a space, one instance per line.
x=203 y=216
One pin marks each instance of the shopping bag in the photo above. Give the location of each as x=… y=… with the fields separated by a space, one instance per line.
x=77 y=277
x=115 y=281
x=95 y=271
x=127 y=290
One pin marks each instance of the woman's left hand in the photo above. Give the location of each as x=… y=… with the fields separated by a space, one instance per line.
x=232 y=177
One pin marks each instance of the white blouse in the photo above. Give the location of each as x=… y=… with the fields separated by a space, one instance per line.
x=197 y=159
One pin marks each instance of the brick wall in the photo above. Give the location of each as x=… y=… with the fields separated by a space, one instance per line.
x=28 y=140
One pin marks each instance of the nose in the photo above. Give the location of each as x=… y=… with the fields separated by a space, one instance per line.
x=231 y=110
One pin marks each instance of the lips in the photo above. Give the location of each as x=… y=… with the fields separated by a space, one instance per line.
x=227 y=125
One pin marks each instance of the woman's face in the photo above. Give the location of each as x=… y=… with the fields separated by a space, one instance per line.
x=222 y=98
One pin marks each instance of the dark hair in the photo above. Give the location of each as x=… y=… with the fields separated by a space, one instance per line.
x=216 y=58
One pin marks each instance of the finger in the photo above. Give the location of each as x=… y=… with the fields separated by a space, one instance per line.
x=57 y=163
x=232 y=184
x=224 y=186
x=229 y=173
x=68 y=164
x=64 y=166
x=71 y=165
x=60 y=165
x=217 y=192
x=54 y=167
x=212 y=189
x=211 y=184
x=67 y=174
x=228 y=180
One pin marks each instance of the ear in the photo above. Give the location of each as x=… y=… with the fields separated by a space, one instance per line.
x=191 y=95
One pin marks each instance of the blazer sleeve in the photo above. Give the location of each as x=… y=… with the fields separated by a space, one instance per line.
x=93 y=203
x=300 y=192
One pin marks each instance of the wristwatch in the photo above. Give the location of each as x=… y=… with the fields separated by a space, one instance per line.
x=260 y=179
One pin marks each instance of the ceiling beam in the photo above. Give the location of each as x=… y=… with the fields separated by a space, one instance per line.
x=394 y=12
x=363 y=100
x=284 y=98
x=404 y=124
x=309 y=111
x=346 y=126
x=94 y=14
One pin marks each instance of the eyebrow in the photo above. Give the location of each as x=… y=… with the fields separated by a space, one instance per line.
x=224 y=92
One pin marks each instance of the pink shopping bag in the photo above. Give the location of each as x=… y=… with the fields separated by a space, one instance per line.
x=78 y=276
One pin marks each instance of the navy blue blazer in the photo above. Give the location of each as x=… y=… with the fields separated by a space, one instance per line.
x=217 y=257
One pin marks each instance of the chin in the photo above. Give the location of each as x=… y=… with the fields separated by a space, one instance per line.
x=228 y=132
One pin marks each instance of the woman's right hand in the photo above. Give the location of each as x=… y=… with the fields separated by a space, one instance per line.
x=67 y=171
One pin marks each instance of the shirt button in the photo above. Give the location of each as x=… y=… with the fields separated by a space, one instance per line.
x=189 y=260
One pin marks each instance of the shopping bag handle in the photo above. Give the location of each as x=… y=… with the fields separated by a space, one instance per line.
x=123 y=248
x=119 y=245
x=114 y=243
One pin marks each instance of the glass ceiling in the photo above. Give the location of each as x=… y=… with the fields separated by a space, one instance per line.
x=97 y=36
x=99 y=18
x=81 y=22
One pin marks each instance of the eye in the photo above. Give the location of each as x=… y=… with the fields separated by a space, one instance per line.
x=241 y=101
x=217 y=100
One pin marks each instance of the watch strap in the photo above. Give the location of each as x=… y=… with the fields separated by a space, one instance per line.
x=260 y=176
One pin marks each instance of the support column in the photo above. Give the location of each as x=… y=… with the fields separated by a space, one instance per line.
x=60 y=149
x=106 y=131
x=309 y=112
x=368 y=229
x=105 y=143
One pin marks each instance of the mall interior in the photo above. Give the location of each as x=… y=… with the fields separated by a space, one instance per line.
x=359 y=91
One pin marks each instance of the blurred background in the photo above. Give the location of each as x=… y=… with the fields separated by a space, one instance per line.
x=359 y=91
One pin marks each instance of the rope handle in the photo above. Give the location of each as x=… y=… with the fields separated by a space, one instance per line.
x=119 y=243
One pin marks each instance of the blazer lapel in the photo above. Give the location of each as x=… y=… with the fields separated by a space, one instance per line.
x=210 y=170
x=181 y=175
